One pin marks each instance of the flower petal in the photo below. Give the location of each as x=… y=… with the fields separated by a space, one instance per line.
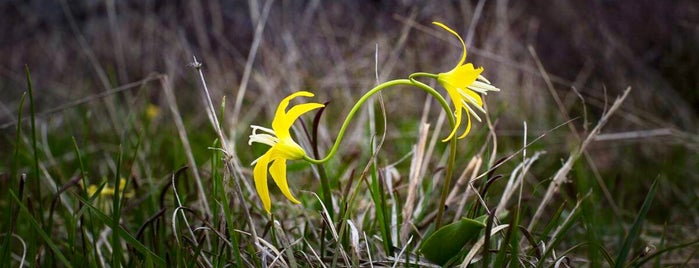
x=281 y=109
x=281 y=125
x=470 y=96
x=457 y=117
x=464 y=75
x=463 y=55
x=287 y=149
x=260 y=176
x=468 y=126
x=278 y=171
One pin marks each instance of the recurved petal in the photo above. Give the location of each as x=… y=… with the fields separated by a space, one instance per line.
x=282 y=124
x=278 y=171
x=281 y=109
x=457 y=117
x=260 y=176
x=468 y=126
x=463 y=55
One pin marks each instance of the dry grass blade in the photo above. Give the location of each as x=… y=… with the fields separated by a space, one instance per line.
x=231 y=161
x=182 y=132
x=414 y=180
x=259 y=28
x=479 y=244
x=562 y=173
x=24 y=248
x=402 y=251
x=516 y=179
x=333 y=232
x=284 y=241
x=564 y=113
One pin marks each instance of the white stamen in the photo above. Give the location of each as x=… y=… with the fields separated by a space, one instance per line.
x=485 y=86
x=477 y=89
x=256 y=127
x=480 y=77
x=475 y=103
x=263 y=138
x=472 y=111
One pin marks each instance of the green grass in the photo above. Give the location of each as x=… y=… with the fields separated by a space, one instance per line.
x=163 y=223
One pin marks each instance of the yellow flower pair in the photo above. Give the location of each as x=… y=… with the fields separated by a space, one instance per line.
x=463 y=84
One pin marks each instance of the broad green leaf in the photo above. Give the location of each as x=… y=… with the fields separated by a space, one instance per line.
x=445 y=243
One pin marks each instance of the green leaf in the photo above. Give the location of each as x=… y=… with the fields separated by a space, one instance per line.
x=636 y=227
x=447 y=242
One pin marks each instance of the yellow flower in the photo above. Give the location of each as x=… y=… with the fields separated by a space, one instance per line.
x=109 y=191
x=463 y=84
x=152 y=111
x=283 y=148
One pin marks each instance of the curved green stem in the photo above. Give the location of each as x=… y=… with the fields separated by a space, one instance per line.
x=430 y=75
x=366 y=96
x=408 y=82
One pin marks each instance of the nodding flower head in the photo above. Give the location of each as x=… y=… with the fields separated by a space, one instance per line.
x=282 y=148
x=464 y=84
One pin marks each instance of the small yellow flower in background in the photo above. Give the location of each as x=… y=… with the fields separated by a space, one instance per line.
x=109 y=191
x=463 y=84
x=283 y=148
x=152 y=111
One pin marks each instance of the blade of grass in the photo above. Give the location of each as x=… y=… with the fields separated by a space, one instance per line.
x=636 y=227
x=512 y=238
x=486 y=244
x=655 y=255
x=137 y=245
x=379 y=198
x=32 y=112
x=561 y=231
x=553 y=222
x=15 y=157
x=225 y=203
x=116 y=212
x=12 y=221
x=37 y=228
x=83 y=177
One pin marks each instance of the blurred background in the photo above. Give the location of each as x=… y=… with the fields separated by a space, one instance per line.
x=255 y=52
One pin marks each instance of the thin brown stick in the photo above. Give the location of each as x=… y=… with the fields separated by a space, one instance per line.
x=561 y=174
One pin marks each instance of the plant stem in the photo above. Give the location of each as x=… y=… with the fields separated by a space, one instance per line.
x=407 y=82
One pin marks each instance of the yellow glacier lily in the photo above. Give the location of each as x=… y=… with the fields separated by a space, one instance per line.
x=283 y=148
x=109 y=191
x=463 y=84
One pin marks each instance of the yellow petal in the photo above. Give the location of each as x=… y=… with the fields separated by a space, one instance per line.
x=260 y=176
x=463 y=55
x=468 y=126
x=457 y=117
x=287 y=149
x=91 y=190
x=281 y=109
x=463 y=75
x=278 y=171
x=282 y=124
